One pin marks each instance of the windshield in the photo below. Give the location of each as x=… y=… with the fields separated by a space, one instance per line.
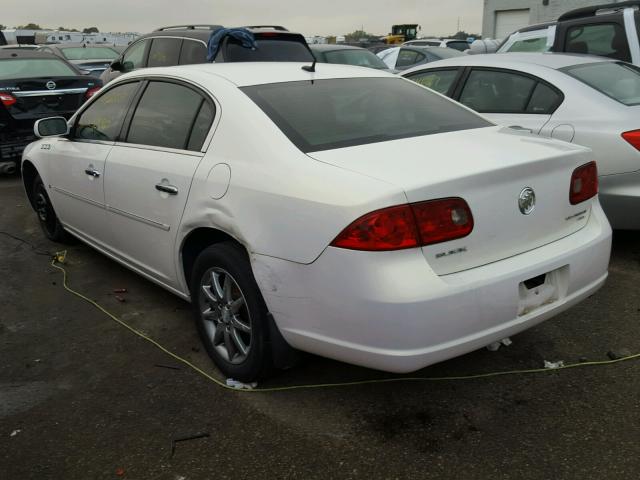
x=268 y=51
x=89 y=53
x=538 y=44
x=34 y=67
x=357 y=57
x=336 y=113
x=617 y=80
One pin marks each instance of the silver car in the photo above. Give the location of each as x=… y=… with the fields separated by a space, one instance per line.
x=588 y=100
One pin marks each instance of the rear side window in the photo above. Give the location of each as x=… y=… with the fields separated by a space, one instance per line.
x=489 y=91
x=164 y=52
x=406 y=58
x=193 y=52
x=165 y=116
x=201 y=126
x=336 y=113
x=529 y=45
x=620 y=81
x=102 y=120
x=273 y=50
x=438 y=80
x=544 y=100
x=604 y=39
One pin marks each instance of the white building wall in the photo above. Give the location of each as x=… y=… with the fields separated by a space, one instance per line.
x=538 y=11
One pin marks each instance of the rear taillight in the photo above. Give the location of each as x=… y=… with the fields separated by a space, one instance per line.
x=584 y=183
x=633 y=137
x=7 y=99
x=91 y=92
x=408 y=226
x=443 y=220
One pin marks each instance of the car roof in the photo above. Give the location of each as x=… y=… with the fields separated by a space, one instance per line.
x=533 y=28
x=244 y=74
x=328 y=47
x=594 y=10
x=553 y=61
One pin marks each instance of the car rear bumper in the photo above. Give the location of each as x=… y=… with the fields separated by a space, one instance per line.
x=389 y=311
x=620 y=198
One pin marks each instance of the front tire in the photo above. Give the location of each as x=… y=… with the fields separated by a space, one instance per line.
x=230 y=313
x=47 y=217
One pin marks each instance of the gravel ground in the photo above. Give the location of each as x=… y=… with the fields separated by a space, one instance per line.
x=83 y=398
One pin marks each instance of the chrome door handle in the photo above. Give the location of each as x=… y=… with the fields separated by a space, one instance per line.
x=170 y=189
x=92 y=173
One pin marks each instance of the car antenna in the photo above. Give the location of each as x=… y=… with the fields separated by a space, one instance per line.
x=310 y=68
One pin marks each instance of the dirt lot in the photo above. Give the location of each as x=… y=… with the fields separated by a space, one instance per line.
x=81 y=397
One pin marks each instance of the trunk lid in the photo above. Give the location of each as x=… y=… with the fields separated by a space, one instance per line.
x=46 y=96
x=489 y=168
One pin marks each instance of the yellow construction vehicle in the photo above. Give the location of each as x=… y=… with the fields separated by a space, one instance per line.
x=401 y=34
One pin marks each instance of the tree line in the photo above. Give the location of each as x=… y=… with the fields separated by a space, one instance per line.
x=35 y=26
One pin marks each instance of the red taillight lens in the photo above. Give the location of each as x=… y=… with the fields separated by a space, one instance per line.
x=633 y=137
x=408 y=226
x=443 y=220
x=91 y=92
x=584 y=183
x=7 y=99
x=388 y=229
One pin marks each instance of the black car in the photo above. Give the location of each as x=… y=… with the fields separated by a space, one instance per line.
x=93 y=58
x=347 y=55
x=187 y=44
x=35 y=85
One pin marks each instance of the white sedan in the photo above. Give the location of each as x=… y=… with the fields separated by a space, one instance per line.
x=586 y=100
x=343 y=211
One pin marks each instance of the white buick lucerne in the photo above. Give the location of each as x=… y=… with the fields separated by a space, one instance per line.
x=343 y=211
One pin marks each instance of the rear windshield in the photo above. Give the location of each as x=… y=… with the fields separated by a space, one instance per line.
x=336 y=113
x=359 y=58
x=34 y=67
x=620 y=81
x=89 y=53
x=268 y=51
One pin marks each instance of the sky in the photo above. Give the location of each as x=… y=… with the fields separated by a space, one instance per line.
x=310 y=17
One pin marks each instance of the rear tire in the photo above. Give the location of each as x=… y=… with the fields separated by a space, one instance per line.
x=230 y=313
x=47 y=217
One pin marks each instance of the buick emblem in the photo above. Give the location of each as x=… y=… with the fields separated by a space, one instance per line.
x=51 y=85
x=527 y=201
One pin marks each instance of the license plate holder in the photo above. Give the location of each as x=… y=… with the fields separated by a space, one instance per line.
x=541 y=290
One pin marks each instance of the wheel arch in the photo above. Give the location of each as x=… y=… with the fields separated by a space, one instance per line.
x=196 y=241
x=29 y=174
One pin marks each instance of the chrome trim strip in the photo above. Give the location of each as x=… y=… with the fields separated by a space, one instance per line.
x=78 y=197
x=133 y=216
x=41 y=93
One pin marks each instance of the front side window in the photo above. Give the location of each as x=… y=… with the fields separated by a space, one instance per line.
x=337 y=113
x=438 y=80
x=490 y=91
x=460 y=46
x=34 y=67
x=406 y=58
x=604 y=39
x=617 y=80
x=165 y=116
x=134 y=56
x=164 y=52
x=102 y=120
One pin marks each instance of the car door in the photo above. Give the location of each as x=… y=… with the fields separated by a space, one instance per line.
x=514 y=99
x=150 y=174
x=77 y=168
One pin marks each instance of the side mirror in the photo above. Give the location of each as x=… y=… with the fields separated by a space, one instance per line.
x=51 y=127
x=127 y=66
x=117 y=66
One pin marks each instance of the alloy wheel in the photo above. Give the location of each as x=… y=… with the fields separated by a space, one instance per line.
x=225 y=315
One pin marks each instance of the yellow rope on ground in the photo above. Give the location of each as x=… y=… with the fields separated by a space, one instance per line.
x=60 y=257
